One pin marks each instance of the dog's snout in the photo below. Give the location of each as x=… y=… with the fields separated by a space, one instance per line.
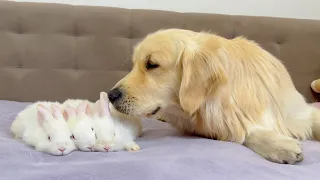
x=114 y=95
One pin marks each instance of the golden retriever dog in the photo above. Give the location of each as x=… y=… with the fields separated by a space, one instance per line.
x=224 y=89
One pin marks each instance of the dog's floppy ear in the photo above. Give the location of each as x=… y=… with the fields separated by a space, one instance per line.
x=202 y=74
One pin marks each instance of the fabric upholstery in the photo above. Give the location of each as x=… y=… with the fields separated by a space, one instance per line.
x=54 y=52
x=165 y=155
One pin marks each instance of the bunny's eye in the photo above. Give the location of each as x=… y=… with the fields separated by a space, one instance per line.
x=92 y=129
x=49 y=138
x=72 y=137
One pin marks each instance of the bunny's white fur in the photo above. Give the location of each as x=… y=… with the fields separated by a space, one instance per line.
x=114 y=131
x=78 y=116
x=42 y=126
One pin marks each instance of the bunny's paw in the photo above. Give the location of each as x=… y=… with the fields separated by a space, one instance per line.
x=132 y=147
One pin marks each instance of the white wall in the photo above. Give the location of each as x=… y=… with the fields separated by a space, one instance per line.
x=305 y=9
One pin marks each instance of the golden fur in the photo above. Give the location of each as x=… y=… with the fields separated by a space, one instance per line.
x=230 y=90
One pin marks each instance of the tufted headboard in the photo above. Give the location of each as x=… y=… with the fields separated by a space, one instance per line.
x=54 y=52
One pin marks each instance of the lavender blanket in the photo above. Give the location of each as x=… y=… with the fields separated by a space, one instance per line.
x=165 y=155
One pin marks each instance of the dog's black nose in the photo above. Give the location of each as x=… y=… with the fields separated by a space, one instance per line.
x=114 y=95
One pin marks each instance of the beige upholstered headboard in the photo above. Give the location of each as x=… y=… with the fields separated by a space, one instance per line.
x=54 y=52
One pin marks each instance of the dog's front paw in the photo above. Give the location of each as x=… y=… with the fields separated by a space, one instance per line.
x=274 y=147
x=284 y=151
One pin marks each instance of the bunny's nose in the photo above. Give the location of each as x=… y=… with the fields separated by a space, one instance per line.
x=107 y=148
x=62 y=149
x=115 y=95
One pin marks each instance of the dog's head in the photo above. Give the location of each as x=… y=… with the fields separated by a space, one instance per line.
x=170 y=67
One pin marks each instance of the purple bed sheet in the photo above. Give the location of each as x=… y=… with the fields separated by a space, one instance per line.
x=164 y=155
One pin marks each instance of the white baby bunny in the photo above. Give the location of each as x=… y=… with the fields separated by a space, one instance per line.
x=114 y=131
x=42 y=126
x=78 y=116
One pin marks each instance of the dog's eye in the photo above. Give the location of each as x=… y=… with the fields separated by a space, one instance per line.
x=150 y=65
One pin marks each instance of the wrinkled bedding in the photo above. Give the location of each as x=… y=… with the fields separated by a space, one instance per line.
x=164 y=155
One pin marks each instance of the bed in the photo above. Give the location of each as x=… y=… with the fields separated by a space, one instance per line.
x=165 y=154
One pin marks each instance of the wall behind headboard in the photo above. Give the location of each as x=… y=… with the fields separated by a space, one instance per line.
x=302 y=9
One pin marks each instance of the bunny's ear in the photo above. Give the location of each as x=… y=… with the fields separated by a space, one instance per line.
x=104 y=105
x=96 y=108
x=88 y=110
x=69 y=113
x=83 y=108
x=43 y=113
x=57 y=111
